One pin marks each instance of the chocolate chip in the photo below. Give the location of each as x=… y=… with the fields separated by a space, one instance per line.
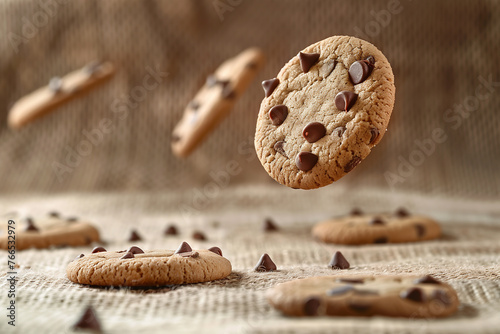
x=314 y=131
x=360 y=70
x=381 y=240
x=30 y=225
x=351 y=164
x=54 y=214
x=265 y=264
x=171 y=230
x=305 y=161
x=211 y=80
x=278 y=147
x=351 y=280
x=420 y=230
x=311 y=306
x=377 y=221
x=135 y=250
x=55 y=85
x=359 y=307
x=197 y=235
x=134 y=236
x=79 y=257
x=374 y=132
x=194 y=105
x=402 y=212
x=183 y=248
x=340 y=290
x=308 y=60
x=356 y=212
x=345 y=100
x=338 y=261
x=72 y=219
x=190 y=254
x=88 y=321
x=269 y=226
x=269 y=86
x=278 y=114
x=216 y=250
x=441 y=296
x=128 y=255
x=99 y=249
x=428 y=279
x=339 y=130
x=415 y=294
x=175 y=138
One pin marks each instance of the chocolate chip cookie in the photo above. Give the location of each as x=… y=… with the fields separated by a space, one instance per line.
x=324 y=112
x=359 y=229
x=392 y=296
x=135 y=267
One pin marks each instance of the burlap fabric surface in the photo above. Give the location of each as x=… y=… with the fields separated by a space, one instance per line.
x=445 y=59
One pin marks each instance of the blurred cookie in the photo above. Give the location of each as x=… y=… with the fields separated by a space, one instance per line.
x=391 y=296
x=324 y=112
x=215 y=100
x=59 y=91
x=135 y=267
x=52 y=230
x=359 y=229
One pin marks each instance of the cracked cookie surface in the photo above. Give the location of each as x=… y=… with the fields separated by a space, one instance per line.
x=324 y=112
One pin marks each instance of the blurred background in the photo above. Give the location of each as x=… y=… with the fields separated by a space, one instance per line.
x=444 y=56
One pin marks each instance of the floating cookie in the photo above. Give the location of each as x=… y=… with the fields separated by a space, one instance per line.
x=359 y=229
x=52 y=230
x=324 y=112
x=57 y=92
x=392 y=296
x=215 y=100
x=135 y=267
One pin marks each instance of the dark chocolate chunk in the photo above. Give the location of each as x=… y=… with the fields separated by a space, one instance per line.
x=134 y=236
x=72 y=219
x=345 y=100
x=308 y=60
x=420 y=230
x=311 y=306
x=269 y=226
x=377 y=221
x=183 y=248
x=190 y=254
x=374 y=132
x=279 y=148
x=340 y=290
x=54 y=214
x=55 y=85
x=441 y=296
x=269 y=86
x=216 y=250
x=415 y=294
x=79 y=257
x=360 y=70
x=88 y=321
x=171 y=230
x=402 y=212
x=135 y=250
x=359 y=307
x=265 y=264
x=305 y=161
x=428 y=279
x=338 y=261
x=351 y=280
x=278 y=114
x=339 y=131
x=128 y=255
x=353 y=163
x=314 y=131
x=30 y=225
x=99 y=249
x=356 y=212
x=197 y=235
x=381 y=240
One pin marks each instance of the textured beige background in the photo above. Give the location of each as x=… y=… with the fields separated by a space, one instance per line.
x=437 y=50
